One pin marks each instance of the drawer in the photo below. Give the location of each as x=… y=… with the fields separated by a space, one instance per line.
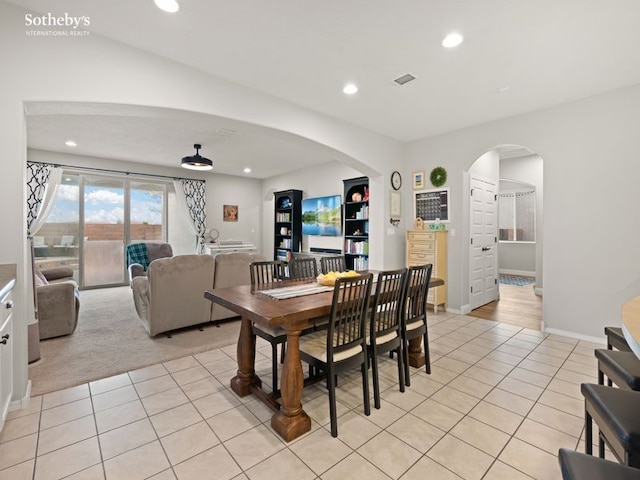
x=430 y=246
x=421 y=258
x=421 y=236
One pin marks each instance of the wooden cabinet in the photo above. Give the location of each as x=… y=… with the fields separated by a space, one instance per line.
x=287 y=225
x=356 y=223
x=7 y=281
x=430 y=246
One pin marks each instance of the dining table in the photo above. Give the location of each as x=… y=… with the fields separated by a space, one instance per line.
x=292 y=305
x=631 y=324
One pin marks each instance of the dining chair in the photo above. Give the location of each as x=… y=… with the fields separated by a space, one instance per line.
x=342 y=345
x=334 y=263
x=300 y=268
x=263 y=273
x=383 y=332
x=414 y=314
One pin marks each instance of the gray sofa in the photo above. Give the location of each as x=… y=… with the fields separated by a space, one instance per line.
x=58 y=302
x=171 y=295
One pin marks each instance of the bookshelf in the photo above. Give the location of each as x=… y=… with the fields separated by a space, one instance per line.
x=356 y=223
x=287 y=224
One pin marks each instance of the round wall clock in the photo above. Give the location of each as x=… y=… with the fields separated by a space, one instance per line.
x=396 y=180
x=438 y=176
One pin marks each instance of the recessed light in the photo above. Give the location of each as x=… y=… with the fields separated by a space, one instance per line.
x=350 y=89
x=70 y=143
x=452 y=40
x=247 y=170
x=169 y=6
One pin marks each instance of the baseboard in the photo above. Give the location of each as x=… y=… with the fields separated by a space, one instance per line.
x=538 y=291
x=579 y=336
x=22 y=402
x=520 y=273
x=464 y=309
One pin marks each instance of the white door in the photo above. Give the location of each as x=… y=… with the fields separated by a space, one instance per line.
x=483 y=257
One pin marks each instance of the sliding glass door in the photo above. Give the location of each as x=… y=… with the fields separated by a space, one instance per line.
x=92 y=220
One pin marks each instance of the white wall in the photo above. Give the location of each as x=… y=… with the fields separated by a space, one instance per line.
x=591 y=254
x=93 y=69
x=529 y=170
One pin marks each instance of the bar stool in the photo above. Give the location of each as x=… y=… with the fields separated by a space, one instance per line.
x=615 y=339
x=578 y=466
x=615 y=411
x=621 y=368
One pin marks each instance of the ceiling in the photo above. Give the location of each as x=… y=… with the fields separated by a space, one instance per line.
x=518 y=56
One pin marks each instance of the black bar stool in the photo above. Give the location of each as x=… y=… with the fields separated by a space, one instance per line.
x=621 y=368
x=615 y=411
x=578 y=466
x=615 y=339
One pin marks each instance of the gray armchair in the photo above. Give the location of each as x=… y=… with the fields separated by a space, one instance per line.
x=141 y=254
x=57 y=300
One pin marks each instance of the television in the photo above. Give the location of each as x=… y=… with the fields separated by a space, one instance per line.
x=322 y=216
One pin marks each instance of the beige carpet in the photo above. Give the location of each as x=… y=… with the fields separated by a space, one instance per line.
x=111 y=340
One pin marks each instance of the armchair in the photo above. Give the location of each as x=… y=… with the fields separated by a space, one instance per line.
x=57 y=300
x=140 y=255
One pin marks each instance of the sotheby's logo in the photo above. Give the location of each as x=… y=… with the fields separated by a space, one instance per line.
x=50 y=25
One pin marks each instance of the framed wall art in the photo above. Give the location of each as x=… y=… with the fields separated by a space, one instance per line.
x=230 y=213
x=418 y=180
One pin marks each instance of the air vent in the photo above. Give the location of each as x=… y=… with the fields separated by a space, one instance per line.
x=404 y=79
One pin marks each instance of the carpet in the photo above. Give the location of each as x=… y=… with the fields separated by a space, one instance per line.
x=110 y=340
x=515 y=280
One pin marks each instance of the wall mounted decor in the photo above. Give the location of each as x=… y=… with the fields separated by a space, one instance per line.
x=418 y=180
x=438 y=177
x=432 y=205
x=230 y=213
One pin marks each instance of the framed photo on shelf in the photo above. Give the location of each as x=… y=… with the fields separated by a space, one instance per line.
x=418 y=180
x=432 y=205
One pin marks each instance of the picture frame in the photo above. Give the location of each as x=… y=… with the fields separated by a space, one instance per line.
x=432 y=206
x=230 y=213
x=418 y=180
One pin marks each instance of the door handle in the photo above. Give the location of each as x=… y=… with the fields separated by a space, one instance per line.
x=486 y=249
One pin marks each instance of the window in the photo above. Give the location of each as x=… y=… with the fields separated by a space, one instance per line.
x=517 y=216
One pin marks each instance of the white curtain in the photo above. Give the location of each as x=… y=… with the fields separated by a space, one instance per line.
x=191 y=196
x=42 y=189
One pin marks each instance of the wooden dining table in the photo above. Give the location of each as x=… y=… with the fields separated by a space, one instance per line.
x=631 y=324
x=293 y=315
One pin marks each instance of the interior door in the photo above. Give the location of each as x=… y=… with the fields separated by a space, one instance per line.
x=483 y=257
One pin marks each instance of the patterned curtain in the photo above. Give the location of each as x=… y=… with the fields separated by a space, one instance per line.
x=191 y=194
x=43 y=181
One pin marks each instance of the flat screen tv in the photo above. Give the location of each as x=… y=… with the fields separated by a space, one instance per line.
x=322 y=216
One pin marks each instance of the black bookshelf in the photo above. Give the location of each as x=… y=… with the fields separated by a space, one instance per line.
x=287 y=224
x=356 y=223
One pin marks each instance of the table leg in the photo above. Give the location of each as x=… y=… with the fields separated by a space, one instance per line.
x=416 y=357
x=246 y=353
x=291 y=421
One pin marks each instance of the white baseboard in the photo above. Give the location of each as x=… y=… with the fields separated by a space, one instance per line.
x=464 y=309
x=521 y=273
x=538 y=291
x=22 y=402
x=579 y=336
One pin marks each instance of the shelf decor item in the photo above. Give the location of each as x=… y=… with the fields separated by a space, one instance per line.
x=438 y=177
x=418 y=180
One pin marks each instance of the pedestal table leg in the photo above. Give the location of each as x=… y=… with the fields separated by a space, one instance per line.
x=246 y=353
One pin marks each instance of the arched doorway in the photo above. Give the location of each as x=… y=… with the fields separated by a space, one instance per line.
x=506 y=227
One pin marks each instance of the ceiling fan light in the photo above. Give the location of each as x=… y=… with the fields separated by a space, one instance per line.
x=197 y=162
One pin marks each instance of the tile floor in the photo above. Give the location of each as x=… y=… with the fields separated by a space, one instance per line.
x=499 y=403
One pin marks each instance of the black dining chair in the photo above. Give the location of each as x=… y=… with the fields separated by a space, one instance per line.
x=414 y=318
x=264 y=273
x=334 y=263
x=342 y=345
x=301 y=268
x=383 y=333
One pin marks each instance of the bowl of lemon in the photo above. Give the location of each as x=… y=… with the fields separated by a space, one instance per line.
x=329 y=279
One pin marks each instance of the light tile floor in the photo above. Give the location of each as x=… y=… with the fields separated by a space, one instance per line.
x=500 y=402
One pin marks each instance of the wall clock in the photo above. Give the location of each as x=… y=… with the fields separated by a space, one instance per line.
x=396 y=180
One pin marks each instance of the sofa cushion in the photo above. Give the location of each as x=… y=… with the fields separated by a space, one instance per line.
x=39 y=278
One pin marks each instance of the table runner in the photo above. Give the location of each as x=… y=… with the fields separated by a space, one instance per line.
x=296 y=291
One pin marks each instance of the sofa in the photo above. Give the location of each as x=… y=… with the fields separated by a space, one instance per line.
x=171 y=295
x=58 y=301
